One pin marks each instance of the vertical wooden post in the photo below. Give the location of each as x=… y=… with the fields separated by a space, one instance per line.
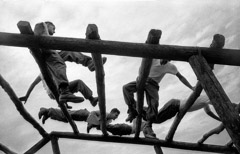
x=92 y=33
x=195 y=94
x=25 y=28
x=158 y=149
x=153 y=38
x=55 y=146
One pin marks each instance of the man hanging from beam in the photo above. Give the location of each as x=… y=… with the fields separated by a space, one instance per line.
x=92 y=118
x=74 y=86
x=159 y=68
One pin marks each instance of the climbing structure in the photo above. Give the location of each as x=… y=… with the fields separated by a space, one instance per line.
x=198 y=57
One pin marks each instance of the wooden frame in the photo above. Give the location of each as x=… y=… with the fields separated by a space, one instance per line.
x=226 y=111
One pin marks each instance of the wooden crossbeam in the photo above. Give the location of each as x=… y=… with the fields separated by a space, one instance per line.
x=92 y=33
x=179 y=53
x=25 y=28
x=222 y=104
x=146 y=141
x=38 y=145
x=226 y=111
x=5 y=85
x=192 y=98
x=153 y=38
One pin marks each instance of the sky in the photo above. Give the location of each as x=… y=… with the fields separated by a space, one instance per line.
x=184 y=23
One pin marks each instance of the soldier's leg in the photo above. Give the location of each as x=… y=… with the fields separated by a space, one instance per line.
x=169 y=110
x=152 y=98
x=80 y=86
x=128 y=94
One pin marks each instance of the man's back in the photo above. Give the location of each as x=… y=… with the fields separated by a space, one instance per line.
x=158 y=71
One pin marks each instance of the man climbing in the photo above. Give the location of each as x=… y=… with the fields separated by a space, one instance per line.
x=159 y=68
x=157 y=72
x=76 y=85
x=92 y=118
x=169 y=110
x=57 y=68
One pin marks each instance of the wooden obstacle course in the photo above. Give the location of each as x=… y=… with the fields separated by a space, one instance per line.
x=94 y=45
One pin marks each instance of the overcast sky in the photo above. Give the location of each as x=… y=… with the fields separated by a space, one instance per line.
x=185 y=22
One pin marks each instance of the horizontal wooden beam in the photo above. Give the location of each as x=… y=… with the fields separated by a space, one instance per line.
x=179 y=53
x=146 y=141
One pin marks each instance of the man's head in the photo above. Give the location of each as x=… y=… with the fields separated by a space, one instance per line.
x=114 y=113
x=51 y=27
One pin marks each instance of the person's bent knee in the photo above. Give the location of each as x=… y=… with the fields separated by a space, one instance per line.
x=125 y=88
x=79 y=81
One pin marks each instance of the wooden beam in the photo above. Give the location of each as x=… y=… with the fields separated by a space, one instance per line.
x=190 y=101
x=153 y=38
x=146 y=141
x=179 y=53
x=92 y=33
x=218 y=42
x=20 y=107
x=158 y=149
x=55 y=146
x=6 y=150
x=25 y=28
x=222 y=104
x=38 y=145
